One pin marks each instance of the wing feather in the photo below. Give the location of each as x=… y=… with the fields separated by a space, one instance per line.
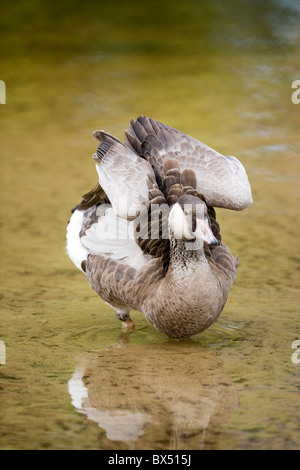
x=221 y=179
x=123 y=175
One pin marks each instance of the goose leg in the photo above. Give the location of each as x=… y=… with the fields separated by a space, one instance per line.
x=124 y=317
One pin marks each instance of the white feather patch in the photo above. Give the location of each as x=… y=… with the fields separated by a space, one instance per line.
x=76 y=251
x=114 y=237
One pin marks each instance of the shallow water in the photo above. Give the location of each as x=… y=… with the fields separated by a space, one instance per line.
x=222 y=72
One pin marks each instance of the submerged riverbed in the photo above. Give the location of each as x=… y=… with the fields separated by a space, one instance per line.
x=222 y=72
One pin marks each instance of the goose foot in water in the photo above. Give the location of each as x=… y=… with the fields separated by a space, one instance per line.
x=128 y=325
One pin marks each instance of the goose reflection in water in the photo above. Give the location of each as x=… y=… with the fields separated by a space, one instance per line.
x=174 y=395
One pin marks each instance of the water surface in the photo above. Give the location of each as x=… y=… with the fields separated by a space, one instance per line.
x=222 y=72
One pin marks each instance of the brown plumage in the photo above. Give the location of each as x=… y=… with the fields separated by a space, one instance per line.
x=177 y=271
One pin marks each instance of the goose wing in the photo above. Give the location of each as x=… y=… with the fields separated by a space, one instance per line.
x=124 y=176
x=221 y=179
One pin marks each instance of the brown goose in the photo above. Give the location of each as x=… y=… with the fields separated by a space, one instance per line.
x=147 y=237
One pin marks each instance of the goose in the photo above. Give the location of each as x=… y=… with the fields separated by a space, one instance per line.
x=146 y=236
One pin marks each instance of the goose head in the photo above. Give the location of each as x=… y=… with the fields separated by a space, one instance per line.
x=189 y=221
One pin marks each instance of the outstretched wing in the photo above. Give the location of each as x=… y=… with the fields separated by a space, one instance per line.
x=222 y=180
x=124 y=176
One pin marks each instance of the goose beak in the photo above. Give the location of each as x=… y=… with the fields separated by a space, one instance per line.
x=208 y=235
x=213 y=241
x=204 y=232
x=181 y=225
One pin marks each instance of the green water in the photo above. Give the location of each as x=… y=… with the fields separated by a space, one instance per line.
x=222 y=72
